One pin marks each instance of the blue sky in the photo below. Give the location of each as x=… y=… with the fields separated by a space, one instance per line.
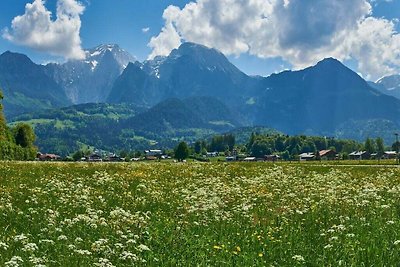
x=260 y=37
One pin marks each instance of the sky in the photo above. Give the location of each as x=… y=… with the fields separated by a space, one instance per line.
x=259 y=36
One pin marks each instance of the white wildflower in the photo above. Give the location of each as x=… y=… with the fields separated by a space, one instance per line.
x=3 y=246
x=83 y=252
x=62 y=238
x=298 y=258
x=30 y=247
x=142 y=247
x=14 y=262
x=104 y=263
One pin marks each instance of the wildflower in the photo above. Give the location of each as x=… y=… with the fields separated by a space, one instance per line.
x=125 y=255
x=217 y=247
x=298 y=258
x=20 y=237
x=260 y=254
x=62 y=238
x=143 y=247
x=14 y=261
x=30 y=247
x=390 y=222
x=3 y=246
x=83 y=252
x=104 y=263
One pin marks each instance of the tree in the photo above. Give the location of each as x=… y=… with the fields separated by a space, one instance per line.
x=182 y=151
x=369 y=146
x=396 y=146
x=198 y=147
x=285 y=155
x=380 y=147
x=3 y=125
x=24 y=135
x=78 y=155
x=260 y=148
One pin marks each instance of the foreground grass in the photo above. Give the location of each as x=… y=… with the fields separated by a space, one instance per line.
x=198 y=214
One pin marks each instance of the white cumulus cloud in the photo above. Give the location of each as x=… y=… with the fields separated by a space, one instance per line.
x=301 y=32
x=37 y=30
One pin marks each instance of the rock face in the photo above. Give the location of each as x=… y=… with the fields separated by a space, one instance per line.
x=190 y=70
x=90 y=80
x=389 y=85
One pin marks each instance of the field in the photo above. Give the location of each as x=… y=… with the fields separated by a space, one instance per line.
x=198 y=214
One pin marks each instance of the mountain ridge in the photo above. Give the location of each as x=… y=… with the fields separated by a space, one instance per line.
x=325 y=99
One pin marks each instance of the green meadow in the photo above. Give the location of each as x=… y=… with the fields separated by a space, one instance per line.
x=198 y=214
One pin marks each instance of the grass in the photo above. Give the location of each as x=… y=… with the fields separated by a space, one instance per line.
x=198 y=214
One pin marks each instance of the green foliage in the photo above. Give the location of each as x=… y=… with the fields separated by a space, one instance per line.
x=260 y=145
x=200 y=146
x=3 y=126
x=24 y=135
x=198 y=214
x=16 y=146
x=182 y=151
x=396 y=146
x=78 y=155
x=221 y=143
x=380 y=147
x=369 y=146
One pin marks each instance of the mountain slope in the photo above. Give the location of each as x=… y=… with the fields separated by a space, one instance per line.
x=116 y=127
x=190 y=70
x=389 y=85
x=173 y=115
x=91 y=79
x=320 y=98
x=26 y=86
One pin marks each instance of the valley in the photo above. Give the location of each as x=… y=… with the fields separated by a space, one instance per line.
x=111 y=101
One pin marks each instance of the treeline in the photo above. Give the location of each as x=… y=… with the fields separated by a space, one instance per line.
x=16 y=143
x=289 y=147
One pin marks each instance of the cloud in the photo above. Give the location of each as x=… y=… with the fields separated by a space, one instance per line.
x=168 y=38
x=146 y=30
x=300 y=32
x=37 y=30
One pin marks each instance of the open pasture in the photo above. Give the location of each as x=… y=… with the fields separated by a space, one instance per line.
x=198 y=214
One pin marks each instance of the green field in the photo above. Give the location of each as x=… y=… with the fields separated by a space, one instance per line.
x=198 y=214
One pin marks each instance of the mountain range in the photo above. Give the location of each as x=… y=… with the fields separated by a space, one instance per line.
x=196 y=91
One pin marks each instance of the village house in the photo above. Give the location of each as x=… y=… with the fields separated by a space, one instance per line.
x=272 y=158
x=390 y=155
x=230 y=158
x=48 y=157
x=327 y=154
x=115 y=158
x=153 y=153
x=307 y=156
x=212 y=154
x=94 y=158
x=359 y=155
